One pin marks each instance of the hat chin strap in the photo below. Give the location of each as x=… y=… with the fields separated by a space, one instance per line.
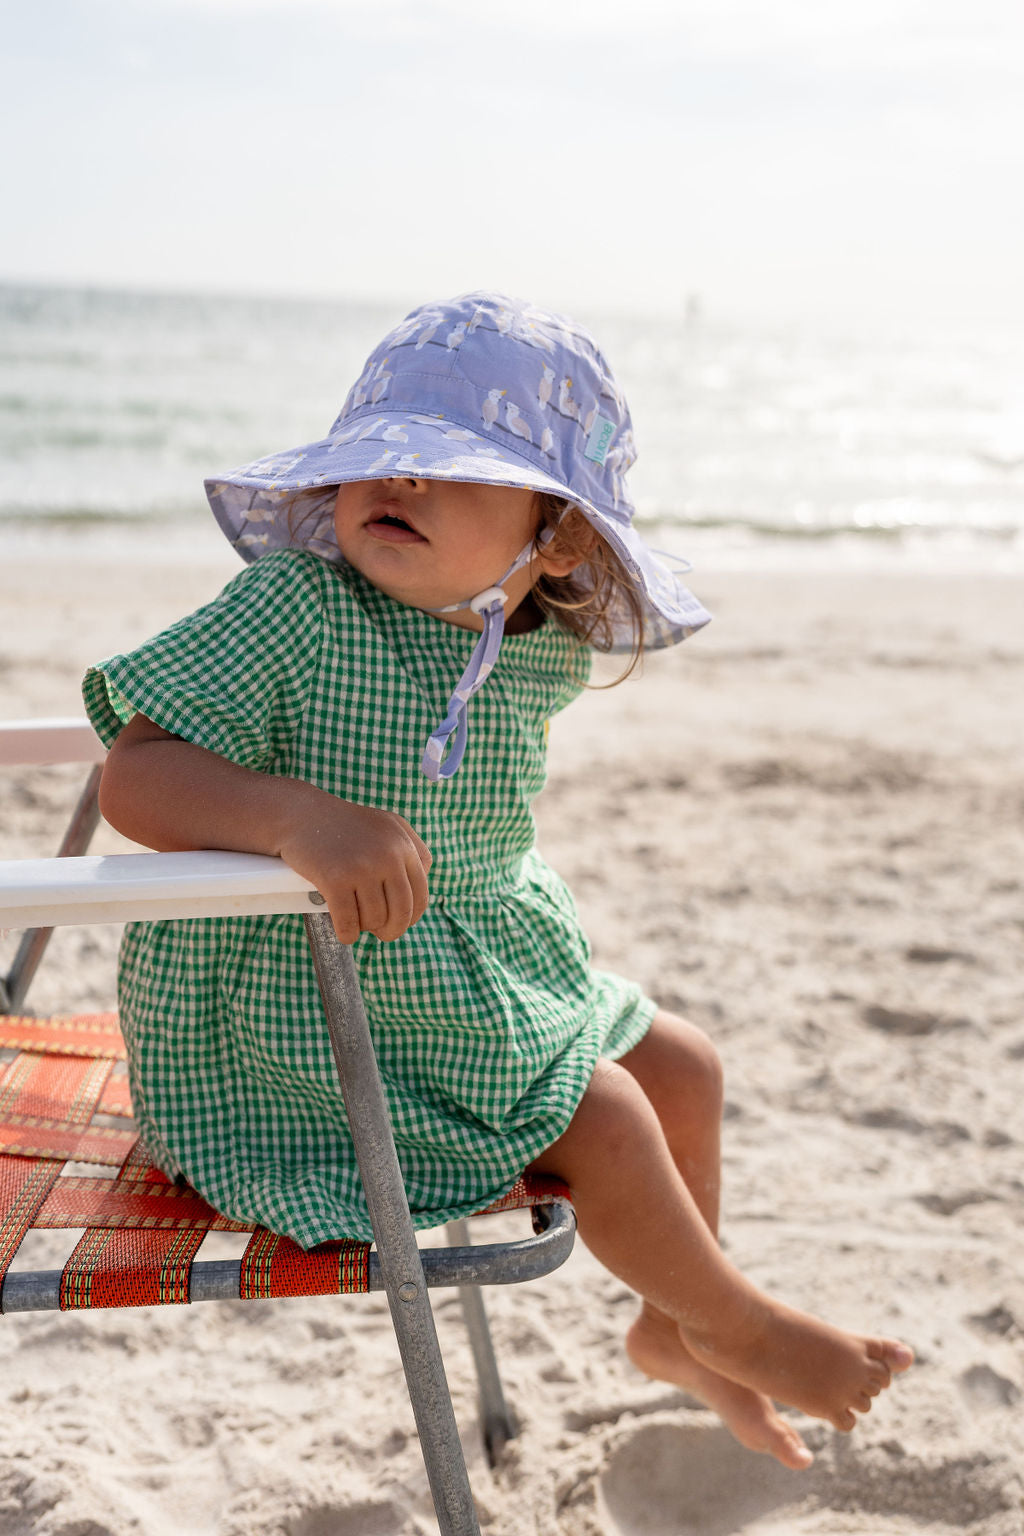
x=490 y=605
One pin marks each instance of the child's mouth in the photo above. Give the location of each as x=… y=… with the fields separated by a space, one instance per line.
x=393 y=530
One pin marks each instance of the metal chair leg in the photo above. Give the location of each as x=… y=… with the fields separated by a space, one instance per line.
x=399 y=1257
x=77 y=838
x=497 y=1424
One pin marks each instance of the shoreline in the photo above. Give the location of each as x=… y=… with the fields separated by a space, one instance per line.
x=739 y=547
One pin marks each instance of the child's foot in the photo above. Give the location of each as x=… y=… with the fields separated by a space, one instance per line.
x=798 y=1359
x=655 y=1346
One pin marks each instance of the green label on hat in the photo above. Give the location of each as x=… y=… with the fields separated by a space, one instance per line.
x=600 y=439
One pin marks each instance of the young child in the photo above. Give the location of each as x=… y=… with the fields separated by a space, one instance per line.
x=469 y=497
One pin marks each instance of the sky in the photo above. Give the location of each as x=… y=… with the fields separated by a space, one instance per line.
x=861 y=159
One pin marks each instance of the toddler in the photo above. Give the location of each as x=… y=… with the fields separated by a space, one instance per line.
x=465 y=522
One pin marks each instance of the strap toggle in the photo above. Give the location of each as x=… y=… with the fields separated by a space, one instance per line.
x=483 y=600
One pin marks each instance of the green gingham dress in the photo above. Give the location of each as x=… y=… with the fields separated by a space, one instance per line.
x=486 y=1016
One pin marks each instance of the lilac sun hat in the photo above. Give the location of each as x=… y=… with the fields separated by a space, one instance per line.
x=481 y=388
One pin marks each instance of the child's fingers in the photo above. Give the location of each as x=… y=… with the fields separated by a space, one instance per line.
x=416 y=870
x=344 y=910
x=372 y=902
x=423 y=853
x=407 y=896
x=398 y=894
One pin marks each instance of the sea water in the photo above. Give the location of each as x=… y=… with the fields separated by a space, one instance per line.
x=756 y=441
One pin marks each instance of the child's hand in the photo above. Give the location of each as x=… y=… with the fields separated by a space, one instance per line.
x=369 y=865
x=170 y=794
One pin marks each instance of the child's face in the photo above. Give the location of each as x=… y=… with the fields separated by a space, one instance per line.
x=429 y=543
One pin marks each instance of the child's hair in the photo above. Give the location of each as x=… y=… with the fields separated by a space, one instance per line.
x=591 y=610
x=310 y=519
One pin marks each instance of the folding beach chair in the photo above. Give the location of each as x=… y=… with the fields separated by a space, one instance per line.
x=63 y=1103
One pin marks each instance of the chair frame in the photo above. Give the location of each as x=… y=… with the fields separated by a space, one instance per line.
x=60 y=740
x=39 y=894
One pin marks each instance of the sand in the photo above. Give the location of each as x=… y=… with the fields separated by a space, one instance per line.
x=803 y=830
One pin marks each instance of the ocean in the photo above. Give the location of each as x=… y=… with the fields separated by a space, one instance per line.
x=757 y=442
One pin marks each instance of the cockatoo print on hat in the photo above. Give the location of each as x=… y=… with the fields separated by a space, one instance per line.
x=515 y=423
x=566 y=404
x=489 y=409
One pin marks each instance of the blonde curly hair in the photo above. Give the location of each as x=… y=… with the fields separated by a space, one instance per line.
x=595 y=598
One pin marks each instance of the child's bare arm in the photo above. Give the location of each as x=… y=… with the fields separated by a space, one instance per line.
x=171 y=795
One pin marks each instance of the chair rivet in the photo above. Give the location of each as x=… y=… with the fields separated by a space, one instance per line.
x=408 y=1291
x=316 y=899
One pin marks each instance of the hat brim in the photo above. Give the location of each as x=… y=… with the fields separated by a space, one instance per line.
x=283 y=500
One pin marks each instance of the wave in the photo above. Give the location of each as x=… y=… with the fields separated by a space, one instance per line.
x=730 y=527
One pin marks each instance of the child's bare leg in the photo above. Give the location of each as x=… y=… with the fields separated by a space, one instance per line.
x=678 y=1068
x=638 y=1217
x=680 y=1073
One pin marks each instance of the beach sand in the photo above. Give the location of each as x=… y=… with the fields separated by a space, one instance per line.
x=803 y=829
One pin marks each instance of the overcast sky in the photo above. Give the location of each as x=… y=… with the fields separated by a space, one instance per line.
x=846 y=157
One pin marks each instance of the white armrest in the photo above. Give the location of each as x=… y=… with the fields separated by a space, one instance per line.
x=65 y=740
x=146 y=887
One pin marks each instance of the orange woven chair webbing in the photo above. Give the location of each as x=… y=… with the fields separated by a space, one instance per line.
x=127 y=1268
x=62 y=1077
x=24 y=1185
x=75 y=1034
x=529 y=1189
x=276 y=1266
x=47 y=1103
x=116 y=1098
x=143 y=1230
x=141 y=1198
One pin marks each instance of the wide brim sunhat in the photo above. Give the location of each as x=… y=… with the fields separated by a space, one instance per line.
x=485 y=389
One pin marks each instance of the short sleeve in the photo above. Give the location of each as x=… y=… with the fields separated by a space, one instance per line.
x=235 y=676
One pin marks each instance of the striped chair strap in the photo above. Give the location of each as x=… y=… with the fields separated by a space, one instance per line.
x=141 y=1196
x=143 y=1230
x=122 y=1267
x=277 y=1266
x=78 y=1034
x=24 y=1185
x=49 y=1093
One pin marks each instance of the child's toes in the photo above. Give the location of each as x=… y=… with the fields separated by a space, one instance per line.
x=892 y=1356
